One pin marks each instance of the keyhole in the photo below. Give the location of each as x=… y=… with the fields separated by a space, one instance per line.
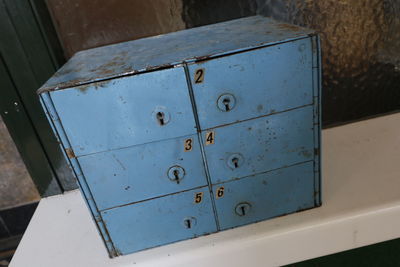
x=226 y=103
x=188 y=224
x=176 y=175
x=242 y=209
x=235 y=162
x=160 y=117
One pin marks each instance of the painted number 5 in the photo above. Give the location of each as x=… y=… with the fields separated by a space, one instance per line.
x=198 y=197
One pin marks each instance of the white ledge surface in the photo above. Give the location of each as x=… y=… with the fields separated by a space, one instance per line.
x=361 y=206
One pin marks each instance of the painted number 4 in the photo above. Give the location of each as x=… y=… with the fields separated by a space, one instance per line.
x=210 y=138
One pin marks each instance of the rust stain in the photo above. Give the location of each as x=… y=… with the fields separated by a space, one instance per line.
x=289 y=27
x=70 y=153
x=162 y=66
x=203 y=58
x=83 y=88
x=306 y=153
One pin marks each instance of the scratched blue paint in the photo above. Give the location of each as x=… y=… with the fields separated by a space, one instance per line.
x=263 y=81
x=169 y=49
x=269 y=195
x=264 y=144
x=160 y=221
x=124 y=113
x=119 y=113
x=141 y=172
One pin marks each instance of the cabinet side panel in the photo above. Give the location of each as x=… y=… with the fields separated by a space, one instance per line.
x=72 y=162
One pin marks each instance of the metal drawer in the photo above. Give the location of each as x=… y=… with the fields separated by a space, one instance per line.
x=252 y=84
x=259 y=145
x=265 y=195
x=145 y=171
x=160 y=221
x=123 y=112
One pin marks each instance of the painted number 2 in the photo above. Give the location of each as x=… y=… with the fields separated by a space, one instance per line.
x=199 y=76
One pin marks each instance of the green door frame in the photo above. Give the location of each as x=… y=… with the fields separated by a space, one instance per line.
x=29 y=55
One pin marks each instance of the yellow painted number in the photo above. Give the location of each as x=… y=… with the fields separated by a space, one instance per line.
x=210 y=138
x=220 y=192
x=199 y=76
x=188 y=145
x=198 y=197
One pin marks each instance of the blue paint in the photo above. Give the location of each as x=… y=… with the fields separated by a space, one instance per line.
x=169 y=49
x=134 y=118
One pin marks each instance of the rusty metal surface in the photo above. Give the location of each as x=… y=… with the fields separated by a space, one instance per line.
x=166 y=50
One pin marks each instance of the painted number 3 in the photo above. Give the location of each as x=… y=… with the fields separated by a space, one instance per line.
x=188 y=145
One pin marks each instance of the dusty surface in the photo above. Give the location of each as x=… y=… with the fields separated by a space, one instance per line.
x=16 y=186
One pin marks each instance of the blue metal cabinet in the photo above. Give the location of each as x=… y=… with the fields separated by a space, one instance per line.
x=185 y=134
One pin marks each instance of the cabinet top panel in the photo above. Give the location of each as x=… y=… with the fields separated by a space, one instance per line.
x=167 y=50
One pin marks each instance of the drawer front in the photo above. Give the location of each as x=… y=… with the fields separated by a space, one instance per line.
x=127 y=111
x=264 y=196
x=259 y=145
x=253 y=83
x=160 y=221
x=145 y=171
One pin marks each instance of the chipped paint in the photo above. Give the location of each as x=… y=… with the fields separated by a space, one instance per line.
x=169 y=50
x=70 y=153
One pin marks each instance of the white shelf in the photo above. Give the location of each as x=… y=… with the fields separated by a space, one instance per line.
x=361 y=206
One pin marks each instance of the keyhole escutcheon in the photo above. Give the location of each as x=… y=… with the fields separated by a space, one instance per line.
x=242 y=209
x=189 y=222
x=235 y=161
x=161 y=116
x=176 y=174
x=226 y=102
